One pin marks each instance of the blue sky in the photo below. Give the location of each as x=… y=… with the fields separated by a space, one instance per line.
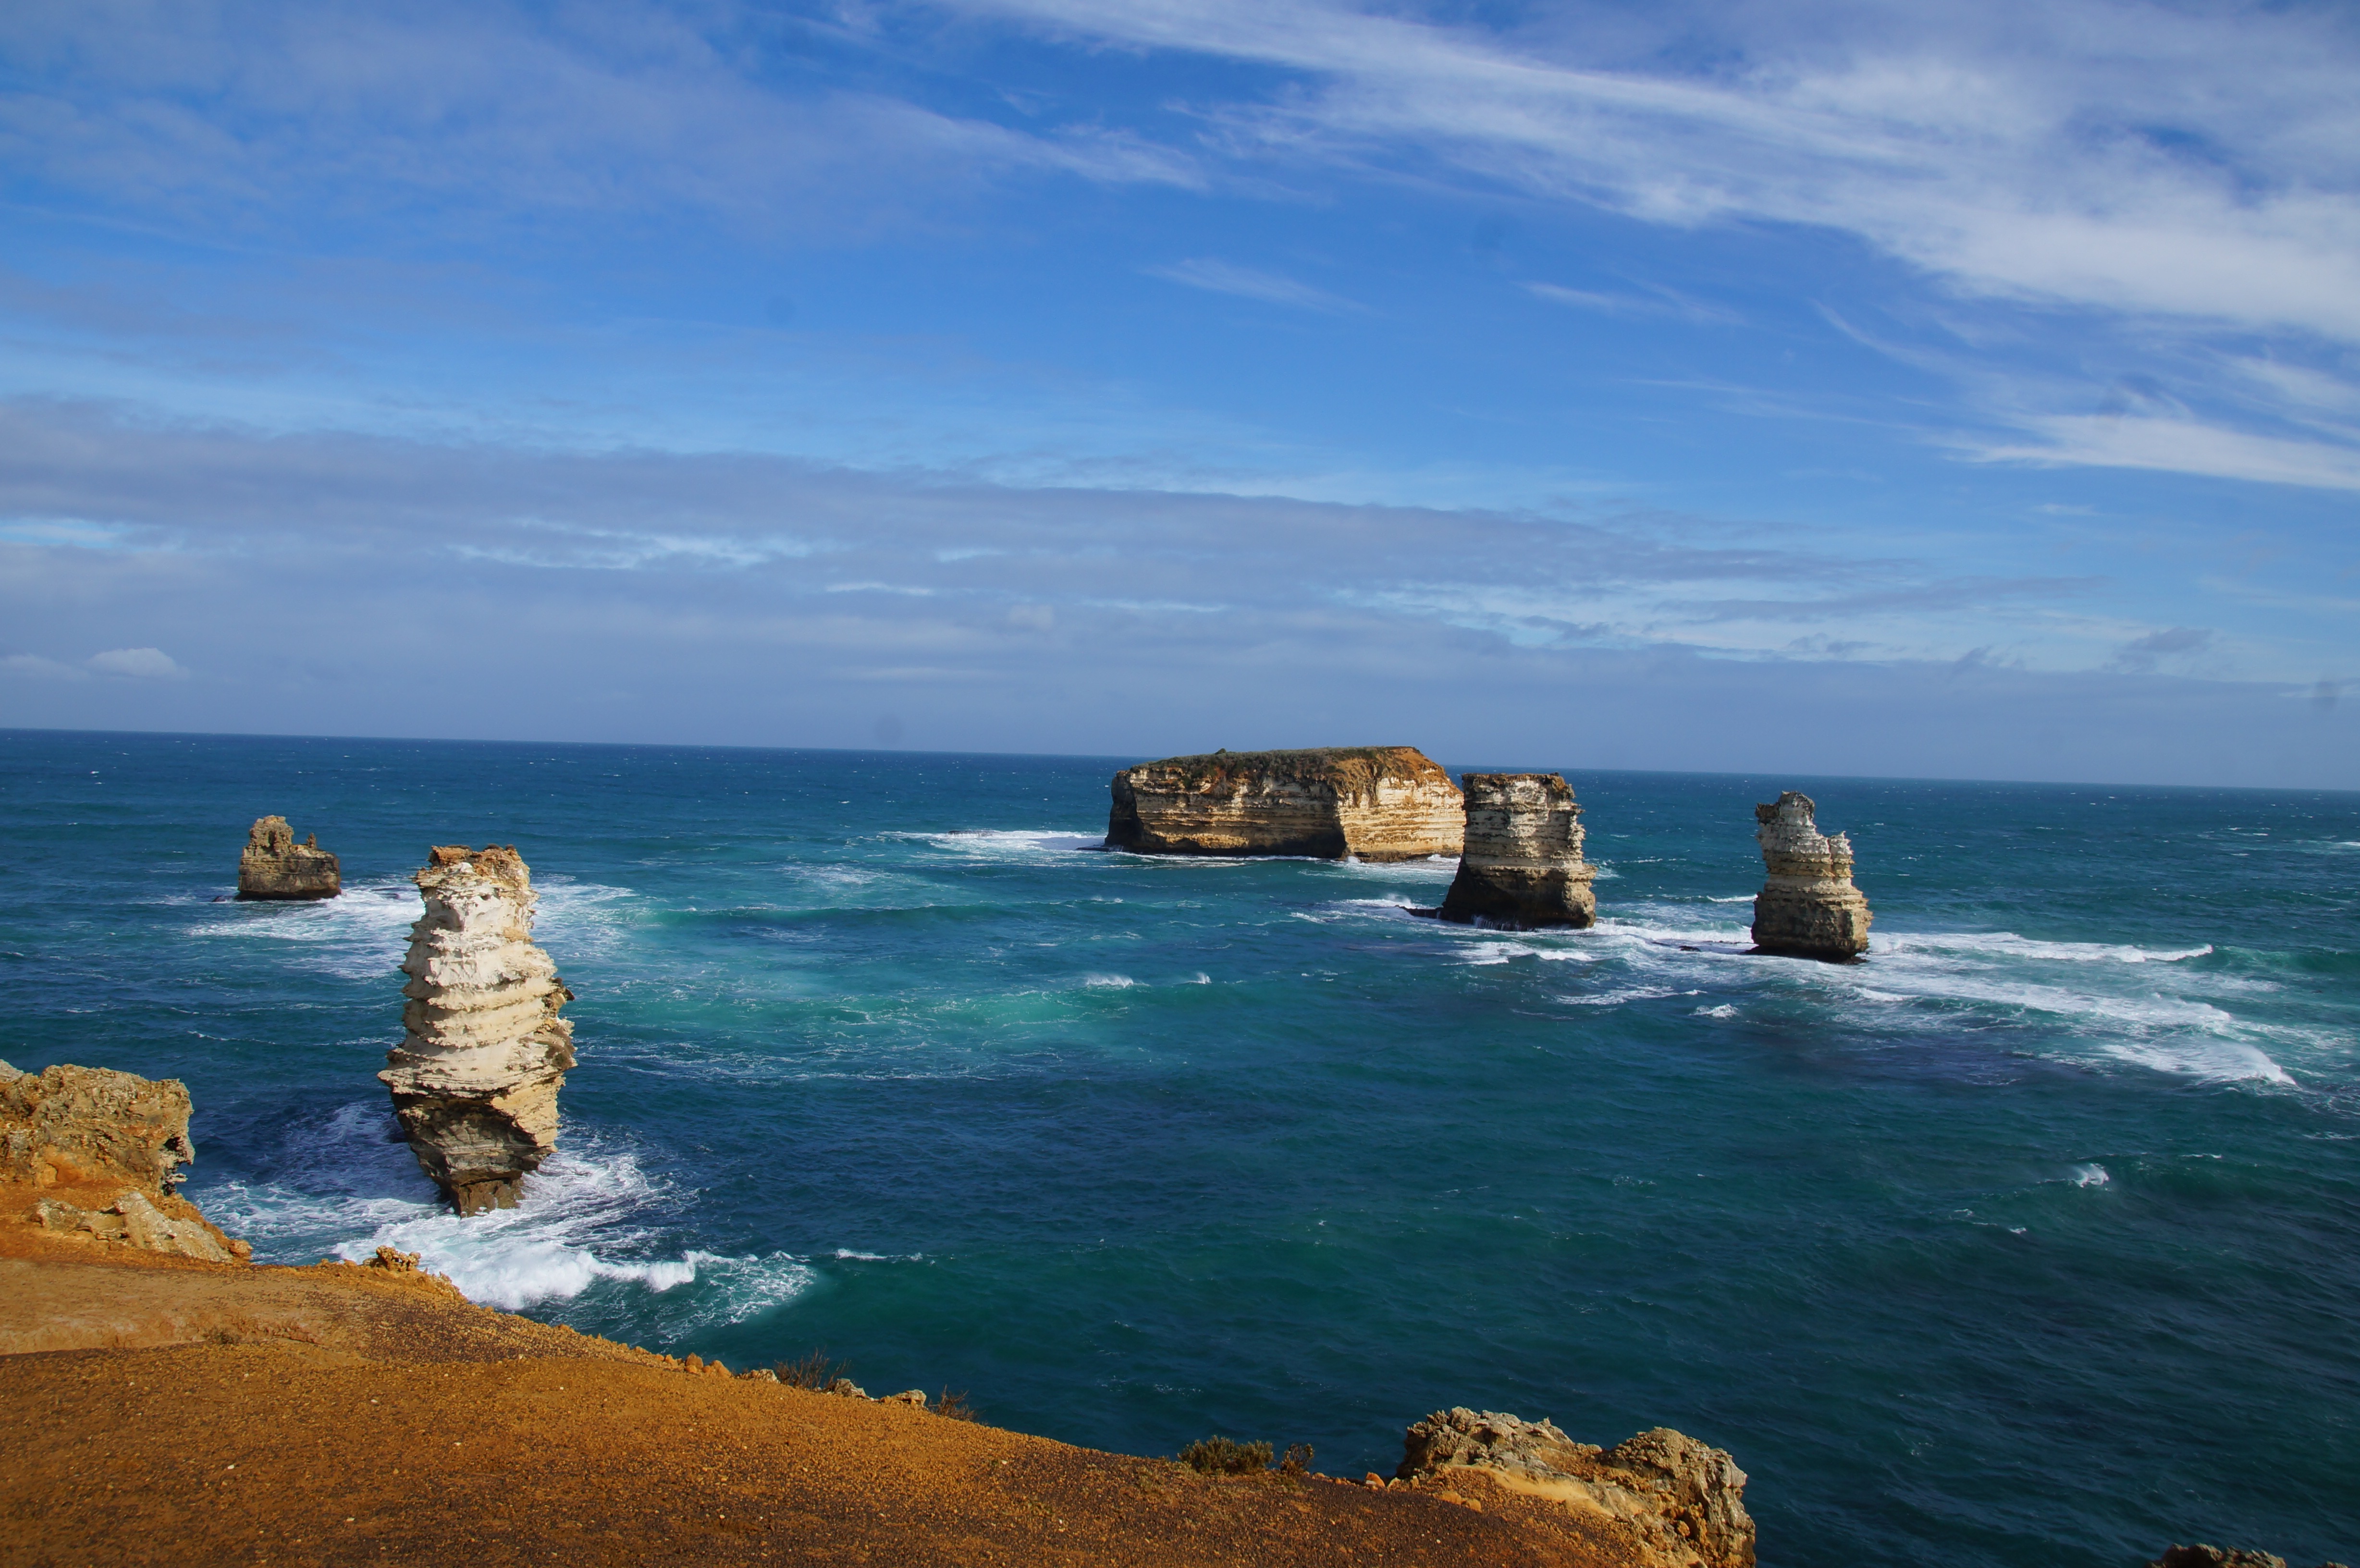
x=1835 y=388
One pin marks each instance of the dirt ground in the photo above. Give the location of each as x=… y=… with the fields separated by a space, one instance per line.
x=169 y=1412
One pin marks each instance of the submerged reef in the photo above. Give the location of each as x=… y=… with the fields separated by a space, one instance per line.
x=475 y=1080
x=1521 y=864
x=1375 y=803
x=274 y=866
x=1808 y=905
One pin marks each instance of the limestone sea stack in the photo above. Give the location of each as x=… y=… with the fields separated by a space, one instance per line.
x=100 y=1152
x=475 y=1080
x=1683 y=1502
x=275 y=866
x=1522 y=866
x=1808 y=907
x=1376 y=802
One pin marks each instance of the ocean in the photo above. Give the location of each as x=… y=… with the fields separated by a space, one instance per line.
x=2033 y=1240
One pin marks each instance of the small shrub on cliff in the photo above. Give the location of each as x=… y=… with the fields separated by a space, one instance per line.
x=954 y=1405
x=814 y=1371
x=1297 y=1462
x=1223 y=1456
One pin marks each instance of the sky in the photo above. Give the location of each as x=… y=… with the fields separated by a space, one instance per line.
x=1829 y=388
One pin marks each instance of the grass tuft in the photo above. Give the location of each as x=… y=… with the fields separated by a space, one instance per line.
x=1225 y=1456
x=816 y=1371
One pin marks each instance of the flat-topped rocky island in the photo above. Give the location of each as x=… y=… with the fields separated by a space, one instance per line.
x=1372 y=803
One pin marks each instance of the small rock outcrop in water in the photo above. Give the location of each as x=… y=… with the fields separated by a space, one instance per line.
x=2214 y=1557
x=476 y=1079
x=1683 y=1501
x=1808 y=905
x=100 y=1152
x=275 y=866
x=1521 y=864
x=1379 y=802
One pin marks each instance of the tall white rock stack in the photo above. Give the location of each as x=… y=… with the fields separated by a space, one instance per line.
x=1521 y=864
x=1808 y=905
x=475 y=1080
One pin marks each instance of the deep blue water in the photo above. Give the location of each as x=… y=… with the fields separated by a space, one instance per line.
x=2035 y=1240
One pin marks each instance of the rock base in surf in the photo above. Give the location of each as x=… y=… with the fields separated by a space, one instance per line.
x=1375 y=803
x=1522 y=864
x=475 y=1080
x=1684 y=1502
x=1808 y=907
x=274 y=866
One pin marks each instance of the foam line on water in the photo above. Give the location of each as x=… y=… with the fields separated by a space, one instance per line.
x=590 y=1216
x=2009 y=944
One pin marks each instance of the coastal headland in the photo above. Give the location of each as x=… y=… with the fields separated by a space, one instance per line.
x=176 y=1404
x=176 y=1412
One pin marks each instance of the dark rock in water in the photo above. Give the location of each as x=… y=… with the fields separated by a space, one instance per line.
x=1522 y=863
x=1683 y=1501
x=1376 y=803
x=2215 y=1557
x=275 y=866
x=475 y=1080
x=1808 y=905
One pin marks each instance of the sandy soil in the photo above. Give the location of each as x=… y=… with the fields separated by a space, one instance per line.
x=166 y=1411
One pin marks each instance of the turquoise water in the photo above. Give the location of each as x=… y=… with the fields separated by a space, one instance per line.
x=2033 y=1241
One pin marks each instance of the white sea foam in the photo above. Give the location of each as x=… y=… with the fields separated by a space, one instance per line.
x=2009 y=944
x=1616 y=999
x=1723 y=1011
x=1117 y=981
x=588 y=1215
x=2092 y=1175
x=1009 y=842
x=1732 y=898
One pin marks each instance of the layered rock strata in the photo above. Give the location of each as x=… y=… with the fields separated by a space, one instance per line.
x=99 y=1152
x=1683 y=1501
x=275 y=866
x=475 y=1080
x=1377 y=803
x=1521 y=864
x=1808 y=905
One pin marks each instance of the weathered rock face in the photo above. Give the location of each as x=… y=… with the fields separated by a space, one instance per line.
x=100 y=1152
x=1521 y=864
x=76 y=1127
x=275 y=866
x=1383 y=802
x=1808 y=907
x=476 y=1079
x=1684 y=1502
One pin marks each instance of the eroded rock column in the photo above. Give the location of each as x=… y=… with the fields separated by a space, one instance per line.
x=1808 y=905
x=1521 y=864
x=475 y=1080
x=275 y=866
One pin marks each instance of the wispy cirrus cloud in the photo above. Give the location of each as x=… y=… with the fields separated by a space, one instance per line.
x=1217 y=276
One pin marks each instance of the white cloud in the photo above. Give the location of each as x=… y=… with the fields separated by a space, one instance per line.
x=1250 y=283
x=2181 y=446
x=2122 y=158
x=138 y=664
x=33 y=666
x=1656 y=301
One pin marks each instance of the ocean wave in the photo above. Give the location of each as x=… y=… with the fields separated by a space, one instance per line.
x=2091 y=1175
x=1007 y=842
x=590 y=1216
x=2008 y=945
